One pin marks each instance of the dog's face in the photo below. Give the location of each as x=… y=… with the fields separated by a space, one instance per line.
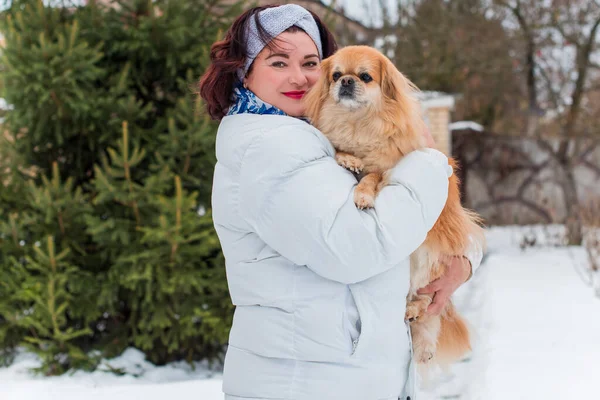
x=354 y=79
x=357 y=78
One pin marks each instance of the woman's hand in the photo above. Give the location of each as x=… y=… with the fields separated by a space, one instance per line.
x=457 y=272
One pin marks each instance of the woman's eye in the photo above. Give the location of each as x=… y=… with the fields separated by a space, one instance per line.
x=365 y=77
x=336 y=76
x=278 y=64
x=311 y=64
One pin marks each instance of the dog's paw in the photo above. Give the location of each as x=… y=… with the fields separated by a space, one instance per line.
x=349 y=162
x=416 y=308
x=363 y=199
x=413 y=311
x=424 y=354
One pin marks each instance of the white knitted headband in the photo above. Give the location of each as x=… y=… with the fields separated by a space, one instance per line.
x=276 y=20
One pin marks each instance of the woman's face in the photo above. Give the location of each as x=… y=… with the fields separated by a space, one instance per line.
x=281 y=76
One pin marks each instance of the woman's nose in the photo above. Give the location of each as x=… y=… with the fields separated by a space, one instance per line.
x=297 y=77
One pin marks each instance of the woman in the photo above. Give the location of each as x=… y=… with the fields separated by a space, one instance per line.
x=319 y=285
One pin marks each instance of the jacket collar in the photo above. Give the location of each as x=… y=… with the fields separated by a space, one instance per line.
x=246 y=102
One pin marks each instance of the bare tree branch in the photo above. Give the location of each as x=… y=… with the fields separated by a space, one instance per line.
x=555 y=96
x=593 y=88
x=529 y=56
x=583 y=59
x=545 y=145
x=588 y=150
x=529 y=180
x=570 y=37
x=591 y=166
x=513 y=199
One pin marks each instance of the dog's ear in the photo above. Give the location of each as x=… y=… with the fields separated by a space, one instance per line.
x=393 y=83
x=318 y=94
x=401 y=102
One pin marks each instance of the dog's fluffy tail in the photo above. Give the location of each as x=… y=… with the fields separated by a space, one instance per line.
x=454 y=338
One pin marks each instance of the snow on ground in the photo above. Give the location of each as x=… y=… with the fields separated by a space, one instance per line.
x=543 y=334
x=536 y=322
x=535 y=319
x=178 y=381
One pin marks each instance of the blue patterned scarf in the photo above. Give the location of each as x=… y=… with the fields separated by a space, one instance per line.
x=246 y=102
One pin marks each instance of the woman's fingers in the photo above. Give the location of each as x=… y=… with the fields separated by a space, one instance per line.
x=433 y=287
x=439 y=302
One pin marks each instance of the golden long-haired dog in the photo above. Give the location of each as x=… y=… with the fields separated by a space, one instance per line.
x=369 y=112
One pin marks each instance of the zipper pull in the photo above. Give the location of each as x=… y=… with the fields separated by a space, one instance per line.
x=354 y=344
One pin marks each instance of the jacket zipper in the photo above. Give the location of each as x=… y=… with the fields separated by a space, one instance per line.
x=354 y=344
x=355 y=341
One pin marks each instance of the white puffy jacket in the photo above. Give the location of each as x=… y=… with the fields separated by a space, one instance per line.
x=319 y=286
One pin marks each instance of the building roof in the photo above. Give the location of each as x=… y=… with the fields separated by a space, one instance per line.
x=466 y=125
x=433 y=99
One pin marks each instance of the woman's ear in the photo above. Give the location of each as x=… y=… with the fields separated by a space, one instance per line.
x=317 y=95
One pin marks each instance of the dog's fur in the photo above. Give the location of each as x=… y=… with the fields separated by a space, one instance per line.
x=373 y=124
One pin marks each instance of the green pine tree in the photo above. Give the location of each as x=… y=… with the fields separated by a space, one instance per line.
x=106 y=237
x=46 y=295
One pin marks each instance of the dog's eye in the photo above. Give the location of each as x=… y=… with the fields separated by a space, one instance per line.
x=366 y=78
x=336 y=76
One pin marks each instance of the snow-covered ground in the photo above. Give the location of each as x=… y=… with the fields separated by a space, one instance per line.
x=536 y=324
x=175 y=381
x=536 y=321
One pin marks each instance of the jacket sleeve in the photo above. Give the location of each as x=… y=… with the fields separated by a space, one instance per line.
x=474 y=254
x=300 y=202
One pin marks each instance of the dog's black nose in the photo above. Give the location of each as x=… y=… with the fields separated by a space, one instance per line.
x=347 y=81
x=347 y=89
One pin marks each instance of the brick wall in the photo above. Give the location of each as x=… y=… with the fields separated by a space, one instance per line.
x=438 y=119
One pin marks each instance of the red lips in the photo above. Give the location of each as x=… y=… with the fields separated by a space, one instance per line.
x=295 y=95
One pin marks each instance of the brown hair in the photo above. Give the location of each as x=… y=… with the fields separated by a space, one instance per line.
x=228 y=55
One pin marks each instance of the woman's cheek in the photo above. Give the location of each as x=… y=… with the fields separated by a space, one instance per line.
x=313 y=77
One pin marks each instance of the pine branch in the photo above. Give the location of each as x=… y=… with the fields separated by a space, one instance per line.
x=126 y=160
